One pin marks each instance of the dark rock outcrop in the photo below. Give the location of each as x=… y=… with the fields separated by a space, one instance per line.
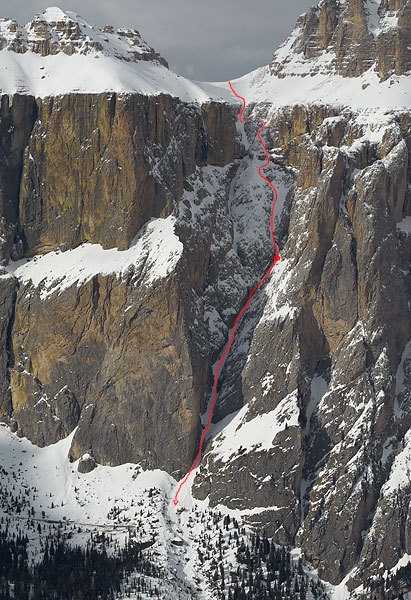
x=333 y=331
x=352 y=36
x=86 y=464
x=17 y=116
x=7 y=300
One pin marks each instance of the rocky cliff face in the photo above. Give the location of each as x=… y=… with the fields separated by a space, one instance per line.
x=330 y=348
x=108 y=192
x=54 y=31
x=133 y=227
x=89 y=351
x=349 y=37
x=319 y=444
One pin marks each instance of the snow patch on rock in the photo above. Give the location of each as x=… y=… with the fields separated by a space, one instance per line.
x=257 y=434
x=156 y=250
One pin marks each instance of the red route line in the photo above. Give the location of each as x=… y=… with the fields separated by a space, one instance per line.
x=250 y=297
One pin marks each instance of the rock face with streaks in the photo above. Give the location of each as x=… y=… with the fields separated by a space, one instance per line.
x=133 y=227
x=326 y=353
x=108 y=192
x=113 y=356
x=7 y=299
x=349 y=37
x=318 y=454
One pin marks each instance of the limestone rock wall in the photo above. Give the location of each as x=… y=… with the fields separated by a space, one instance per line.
x=113 y=356
x=355 y=35
x=17 y=116
x=106 y=146
x=7 y=299
x=327 y=368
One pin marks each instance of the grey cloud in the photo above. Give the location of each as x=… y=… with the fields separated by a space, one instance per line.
x=217 y=40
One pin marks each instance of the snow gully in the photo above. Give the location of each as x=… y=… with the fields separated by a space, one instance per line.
x=276 y=259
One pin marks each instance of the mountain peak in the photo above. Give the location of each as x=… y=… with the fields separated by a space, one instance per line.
x=349 y=37
x=54 y=31
x=54 y=14
x=58 y=53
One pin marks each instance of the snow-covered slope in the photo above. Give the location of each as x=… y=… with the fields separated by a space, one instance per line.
x=124 y=503
x=58 y=53
x=155 y=253
x=61 y=74
x=364 y=93
x=45 y=498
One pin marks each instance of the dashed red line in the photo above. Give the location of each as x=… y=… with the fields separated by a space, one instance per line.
x=276 y=258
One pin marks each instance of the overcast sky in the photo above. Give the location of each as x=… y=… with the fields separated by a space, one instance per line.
x=209 y=40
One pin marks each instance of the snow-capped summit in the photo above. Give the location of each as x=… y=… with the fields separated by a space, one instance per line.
x=53 y=14
x=55 y=31
x=59 y=52
x=348 y=38
x=352 y=53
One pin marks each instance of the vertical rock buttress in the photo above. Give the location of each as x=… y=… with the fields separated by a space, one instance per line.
x=114 y=356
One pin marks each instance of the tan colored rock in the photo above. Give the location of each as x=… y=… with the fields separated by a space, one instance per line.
x=107 y=193
x=121 y=355
x=107 y=146
x=336 y=309
x=346 y=30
